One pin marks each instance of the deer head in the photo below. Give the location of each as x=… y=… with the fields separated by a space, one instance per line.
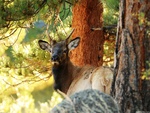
x=59 y=50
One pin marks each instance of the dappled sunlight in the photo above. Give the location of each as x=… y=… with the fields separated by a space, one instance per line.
x=18 y=99
x=108 y=58
x=24 y=69
x=26 y=49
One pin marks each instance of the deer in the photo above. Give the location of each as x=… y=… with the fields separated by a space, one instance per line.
x=69 y=78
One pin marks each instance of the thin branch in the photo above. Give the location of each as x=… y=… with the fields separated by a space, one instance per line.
x=9 y=35
x=16 y=38
x=97 y=29
x=68 y=2
x=61 y=23
x=104 y=28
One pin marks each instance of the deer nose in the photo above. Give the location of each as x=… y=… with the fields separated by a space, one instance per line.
x=55 y=58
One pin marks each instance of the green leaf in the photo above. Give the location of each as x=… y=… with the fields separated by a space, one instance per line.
x=65 y=11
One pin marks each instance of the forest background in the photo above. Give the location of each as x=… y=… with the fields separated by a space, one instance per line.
x=25 y=70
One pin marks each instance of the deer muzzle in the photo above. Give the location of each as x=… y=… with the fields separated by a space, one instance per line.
x=55 y=59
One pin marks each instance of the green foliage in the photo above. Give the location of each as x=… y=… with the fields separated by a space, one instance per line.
x=14 y=13
x=111 y=4
x=34 y=33
x=65 y=11
x=9 y=53
x=22 y=68
x=23 y=13
x=111 y=11
x=109 y=52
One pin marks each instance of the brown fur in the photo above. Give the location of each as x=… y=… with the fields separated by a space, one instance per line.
x=71 y=79
x=89 y=77
x=74 y=79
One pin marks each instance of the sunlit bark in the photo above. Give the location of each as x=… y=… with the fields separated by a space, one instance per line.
x=86 y=15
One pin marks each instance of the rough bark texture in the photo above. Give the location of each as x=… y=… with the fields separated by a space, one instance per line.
x=88 y=14
x=130 y=58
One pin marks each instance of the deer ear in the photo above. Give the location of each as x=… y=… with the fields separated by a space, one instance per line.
x=44 y=45
x=73 y=43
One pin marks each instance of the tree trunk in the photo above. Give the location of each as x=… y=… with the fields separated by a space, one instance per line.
x=130 y=56
x=88 y=14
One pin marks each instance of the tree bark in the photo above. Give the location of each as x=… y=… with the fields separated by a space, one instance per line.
x=86 y=15
x=130 y=56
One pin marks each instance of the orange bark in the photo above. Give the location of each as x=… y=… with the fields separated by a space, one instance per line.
x=86 y=15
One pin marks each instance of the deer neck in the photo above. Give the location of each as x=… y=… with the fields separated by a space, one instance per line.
x=63 y=75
